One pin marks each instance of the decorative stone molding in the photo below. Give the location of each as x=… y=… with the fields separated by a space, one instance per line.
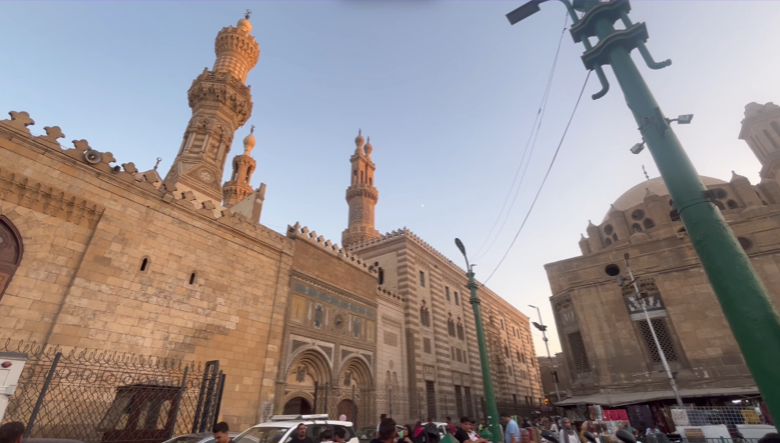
x=21 y=190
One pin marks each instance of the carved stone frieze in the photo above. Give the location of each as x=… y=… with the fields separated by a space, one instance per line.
x=21 y=190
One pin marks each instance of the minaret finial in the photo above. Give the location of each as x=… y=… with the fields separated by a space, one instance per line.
x=248 y=13
x=645 y=171
x=159 y=159
x=252 y=129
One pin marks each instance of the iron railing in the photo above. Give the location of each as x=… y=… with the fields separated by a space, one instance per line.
x=111 y=397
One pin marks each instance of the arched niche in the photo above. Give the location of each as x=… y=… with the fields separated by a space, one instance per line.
x=11 y=250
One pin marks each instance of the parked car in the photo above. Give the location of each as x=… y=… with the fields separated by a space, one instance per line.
x=201 y=437
x=280 y=429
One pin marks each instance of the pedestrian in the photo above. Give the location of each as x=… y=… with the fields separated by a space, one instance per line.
x=387 y=430
x=654 y=430
x=512 y=433
x=451 y=428
x=418 y=436
x=588 y=426
x=300 y=435
x=221 y=434
x=12 y=432
x=406 y=435
x=326 y=436
x=339 y=435
x=482 y=424
x=568 y=434
x=342 y=417
x=772 y=437
x=431 y=431
x=381 y=417
x=465 y=433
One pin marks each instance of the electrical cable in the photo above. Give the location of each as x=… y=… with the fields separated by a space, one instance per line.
x=531 y=137
x=541 y=186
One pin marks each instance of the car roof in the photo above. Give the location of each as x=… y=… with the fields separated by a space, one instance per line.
x=291 y=423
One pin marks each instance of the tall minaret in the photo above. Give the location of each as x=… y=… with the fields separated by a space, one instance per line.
x=238 y=187
x=361 y=195
x=221 y=103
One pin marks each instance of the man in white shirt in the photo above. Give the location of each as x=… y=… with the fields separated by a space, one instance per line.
x=568 y=434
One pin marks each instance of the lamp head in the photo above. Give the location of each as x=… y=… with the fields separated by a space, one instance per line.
x=524 y=11
x=460 y=246
x=637 y=148
x=685 y=119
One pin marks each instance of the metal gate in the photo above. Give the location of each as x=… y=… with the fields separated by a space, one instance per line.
x=110 y=397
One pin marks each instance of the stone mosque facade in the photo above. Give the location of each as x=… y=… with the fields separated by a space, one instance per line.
x=608 y=349
x=100 y=255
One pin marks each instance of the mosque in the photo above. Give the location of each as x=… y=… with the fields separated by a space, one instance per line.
x=96 y=254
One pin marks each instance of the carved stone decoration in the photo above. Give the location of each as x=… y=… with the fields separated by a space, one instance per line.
x=19 y=120
x=19 y=189
x=300 y=376
x=52 y=134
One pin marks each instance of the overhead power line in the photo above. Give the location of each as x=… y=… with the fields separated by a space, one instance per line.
x=534 y=134
x=547 y=174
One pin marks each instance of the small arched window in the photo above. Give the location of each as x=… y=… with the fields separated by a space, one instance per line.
x=719 y=204
x=144 y=264
x=193 y=276
x=381 y=276
x=636 y=227
x=371 y=181
x=607 y=241
x=732 y=204
x=674 y=216
x=649 y=223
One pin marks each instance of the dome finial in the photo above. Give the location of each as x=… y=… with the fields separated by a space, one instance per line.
x=243 y=24
x=248 y=13
x=645 y=171
x=359 y=141
x=249 y=141
x=368 y=148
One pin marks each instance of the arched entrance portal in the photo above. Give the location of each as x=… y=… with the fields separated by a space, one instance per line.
x=10 y=252
x=297 y=405
x=348 y=408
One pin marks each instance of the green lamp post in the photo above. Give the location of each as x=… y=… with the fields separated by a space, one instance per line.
x=753 y=318
x=490 y=396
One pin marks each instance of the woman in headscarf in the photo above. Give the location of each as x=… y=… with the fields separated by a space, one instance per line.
x=418 y=434
x=568 y=434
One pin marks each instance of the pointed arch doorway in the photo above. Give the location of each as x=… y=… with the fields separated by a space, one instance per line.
x=297 y=405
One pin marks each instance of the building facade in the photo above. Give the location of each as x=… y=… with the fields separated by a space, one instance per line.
x=607 y=344
x=103 y=256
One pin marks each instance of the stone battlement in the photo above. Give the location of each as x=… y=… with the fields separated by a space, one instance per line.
x=406 y=233
x=311 y=236
x=17 y=129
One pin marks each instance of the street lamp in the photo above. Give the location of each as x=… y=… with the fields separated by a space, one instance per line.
x=490 y=397
x=541 y=326
x=639 y=298
x=745 y=301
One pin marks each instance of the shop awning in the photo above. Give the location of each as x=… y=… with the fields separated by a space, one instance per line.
x=627 y=398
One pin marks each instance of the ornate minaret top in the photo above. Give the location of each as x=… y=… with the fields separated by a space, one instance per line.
x=238 y=187
x=761 y=131
x=221 y=103
x=361 y=195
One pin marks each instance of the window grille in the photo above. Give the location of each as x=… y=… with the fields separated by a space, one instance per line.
x=430 y=394
x=467 y=394
x=422 y=279
x=427 y=345
x=447 y=292
x=459 y=401
x=664 y=339
x=580 y=355
x=461 y=335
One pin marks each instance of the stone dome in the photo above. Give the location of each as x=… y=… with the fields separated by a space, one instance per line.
x=244 y=25
x=636 y=195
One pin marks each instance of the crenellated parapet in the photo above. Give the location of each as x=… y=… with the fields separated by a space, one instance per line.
x=21 y=190
x=409 y=235
x=303 y=233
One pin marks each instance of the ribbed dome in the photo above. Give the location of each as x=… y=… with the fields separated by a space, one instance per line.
x=636 y=195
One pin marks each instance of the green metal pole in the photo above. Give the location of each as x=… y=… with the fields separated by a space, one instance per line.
x=745 y=301
x=490 y=396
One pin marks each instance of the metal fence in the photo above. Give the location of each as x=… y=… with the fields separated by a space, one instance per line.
x=111 y=397
x=718 y=415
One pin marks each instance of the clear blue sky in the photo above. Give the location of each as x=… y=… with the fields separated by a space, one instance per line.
x=446 y=90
